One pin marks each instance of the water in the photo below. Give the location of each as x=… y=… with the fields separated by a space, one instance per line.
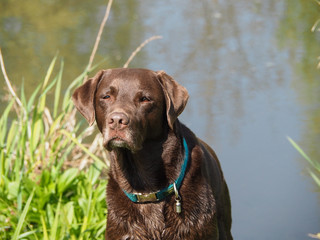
x=249 y=66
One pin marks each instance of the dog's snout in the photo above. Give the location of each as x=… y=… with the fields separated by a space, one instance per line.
x=118 y=120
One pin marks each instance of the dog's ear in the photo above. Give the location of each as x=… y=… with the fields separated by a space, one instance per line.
x=83 y=97
x=176 y=96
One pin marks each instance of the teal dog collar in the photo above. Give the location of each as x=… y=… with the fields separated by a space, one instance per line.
x=162 y=194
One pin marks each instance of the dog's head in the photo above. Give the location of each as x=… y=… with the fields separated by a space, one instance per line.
x=130 y=105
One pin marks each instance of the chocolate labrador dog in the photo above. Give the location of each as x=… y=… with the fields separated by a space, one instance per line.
x=164 y=182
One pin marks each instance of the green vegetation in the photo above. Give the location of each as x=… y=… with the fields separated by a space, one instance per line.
x=315 y=172
x=49 y=186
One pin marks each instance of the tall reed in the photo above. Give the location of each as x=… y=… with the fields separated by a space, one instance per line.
x=314 y=172
x=47 y=188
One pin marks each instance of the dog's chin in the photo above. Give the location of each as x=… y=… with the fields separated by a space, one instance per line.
x=118 y=144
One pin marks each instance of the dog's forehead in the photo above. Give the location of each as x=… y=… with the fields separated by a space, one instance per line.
x=131 y=79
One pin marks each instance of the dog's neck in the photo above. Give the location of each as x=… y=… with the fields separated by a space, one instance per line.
x=150 y=169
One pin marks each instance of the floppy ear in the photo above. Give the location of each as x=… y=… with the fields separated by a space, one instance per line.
x=83 y=97
x=176 y=96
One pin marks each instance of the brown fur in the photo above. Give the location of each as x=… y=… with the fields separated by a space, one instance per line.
x=136 y=110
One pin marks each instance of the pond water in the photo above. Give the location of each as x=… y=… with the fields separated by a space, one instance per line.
x=250 y=68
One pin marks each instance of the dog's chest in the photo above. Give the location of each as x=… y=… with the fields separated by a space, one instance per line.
x=149 y=221
x=153 y=214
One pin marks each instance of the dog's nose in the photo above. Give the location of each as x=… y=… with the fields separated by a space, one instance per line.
x=118 y=120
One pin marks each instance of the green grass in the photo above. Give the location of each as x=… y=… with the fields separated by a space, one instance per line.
x=50 y=182
x=315 y=166
x=314 y=172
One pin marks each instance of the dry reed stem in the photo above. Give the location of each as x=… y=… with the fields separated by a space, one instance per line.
x=316 y=236
x=138 y=49
x=8 y=81
x=96 y=45
x=315 y=25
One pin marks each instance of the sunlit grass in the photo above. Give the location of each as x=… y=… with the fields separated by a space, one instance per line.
x=48 y=188
x=314 y=172
x=315 y=166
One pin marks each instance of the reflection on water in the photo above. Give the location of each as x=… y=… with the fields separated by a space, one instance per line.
x=304 y=52
x=32 y=32
x=250 y=68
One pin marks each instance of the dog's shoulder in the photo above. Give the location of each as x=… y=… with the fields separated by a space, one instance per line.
x=204 y=160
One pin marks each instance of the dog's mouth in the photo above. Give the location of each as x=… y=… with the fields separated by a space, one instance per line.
x=116 y=142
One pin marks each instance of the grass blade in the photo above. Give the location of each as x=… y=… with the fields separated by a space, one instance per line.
x=315 y=178
x=23 y=96
x=44 y=228
x=297 y=147
x=22 y=217
x=83 y=227
x=26 y=234
x=32 y=98
x=48 y=88
x=66 y=179
x=57 y=91
x=49 y=72
x=56 y=221
x=314 y=164
x=4 y=121
x=86 y=150
x=45 y=83
x=3 y=144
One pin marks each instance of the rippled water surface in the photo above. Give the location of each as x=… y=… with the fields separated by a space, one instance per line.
x=250 y=68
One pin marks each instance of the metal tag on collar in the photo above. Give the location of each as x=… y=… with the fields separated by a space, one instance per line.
x=178 y=198
x=151 y=197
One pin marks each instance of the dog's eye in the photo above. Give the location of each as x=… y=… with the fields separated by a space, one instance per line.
x=145 y=99
x=106 y=97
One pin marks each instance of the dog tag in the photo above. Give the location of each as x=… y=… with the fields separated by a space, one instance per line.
x=178 y=198
x=178 y=206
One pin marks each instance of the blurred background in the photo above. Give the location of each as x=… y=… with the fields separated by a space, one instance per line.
x=250 y=68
